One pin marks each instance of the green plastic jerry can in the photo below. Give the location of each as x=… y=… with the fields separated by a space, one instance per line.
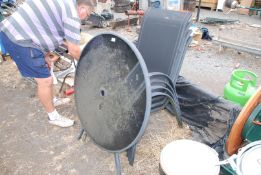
x=252 y=128
x=241 y=86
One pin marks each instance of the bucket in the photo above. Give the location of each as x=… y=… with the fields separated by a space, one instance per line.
x=241 y=86
x=187 y=157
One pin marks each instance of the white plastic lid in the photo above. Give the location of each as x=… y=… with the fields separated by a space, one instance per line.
x=249 y=163
x=187 y=157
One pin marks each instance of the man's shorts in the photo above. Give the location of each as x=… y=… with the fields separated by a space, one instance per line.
x=30 y=61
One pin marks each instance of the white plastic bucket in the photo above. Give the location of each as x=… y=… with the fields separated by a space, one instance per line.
x=189 y=157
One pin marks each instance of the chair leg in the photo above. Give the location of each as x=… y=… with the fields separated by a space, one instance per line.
x=131 y=154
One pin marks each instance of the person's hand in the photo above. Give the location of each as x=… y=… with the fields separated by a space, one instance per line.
x=50 y=58
x=73 y=50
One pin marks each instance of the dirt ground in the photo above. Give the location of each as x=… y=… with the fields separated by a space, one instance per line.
x=29 y=145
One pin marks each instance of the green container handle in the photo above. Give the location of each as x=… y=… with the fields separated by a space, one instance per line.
x=241 y=83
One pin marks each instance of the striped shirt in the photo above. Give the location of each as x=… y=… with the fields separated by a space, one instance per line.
x=43 y=24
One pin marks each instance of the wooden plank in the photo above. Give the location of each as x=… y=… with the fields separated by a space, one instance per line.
x=123 y=22
x=189 y=5
x=257 y=3
x=212 y=6
x=245 y=3
x=210 y=1
x=239 y=47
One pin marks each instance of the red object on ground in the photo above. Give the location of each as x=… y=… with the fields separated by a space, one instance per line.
x=134 y=12
x=69 y=91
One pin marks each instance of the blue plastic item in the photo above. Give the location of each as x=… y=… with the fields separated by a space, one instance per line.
x=2 y=49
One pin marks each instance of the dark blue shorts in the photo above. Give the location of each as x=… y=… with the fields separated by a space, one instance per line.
x=30 y=61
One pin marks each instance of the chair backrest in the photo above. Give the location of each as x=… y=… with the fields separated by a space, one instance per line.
x=163 y=40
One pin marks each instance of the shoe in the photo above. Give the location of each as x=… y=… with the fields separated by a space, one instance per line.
x=60 y=101
x=62 y=122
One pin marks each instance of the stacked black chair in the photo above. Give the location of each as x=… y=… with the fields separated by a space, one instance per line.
x=163 y=41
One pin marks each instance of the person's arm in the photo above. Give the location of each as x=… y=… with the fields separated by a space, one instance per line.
x=71 y=29
x=73 y=49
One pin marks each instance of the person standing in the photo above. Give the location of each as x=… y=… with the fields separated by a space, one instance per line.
x=34 y=31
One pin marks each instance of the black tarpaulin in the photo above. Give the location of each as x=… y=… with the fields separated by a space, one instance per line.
x=210 y=117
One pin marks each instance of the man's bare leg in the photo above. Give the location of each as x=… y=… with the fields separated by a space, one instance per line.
x=45 y=93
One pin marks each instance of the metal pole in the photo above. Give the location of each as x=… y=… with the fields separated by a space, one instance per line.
x=131 y=154
x=117 y=163
x=81 y=133
x=199 y=5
